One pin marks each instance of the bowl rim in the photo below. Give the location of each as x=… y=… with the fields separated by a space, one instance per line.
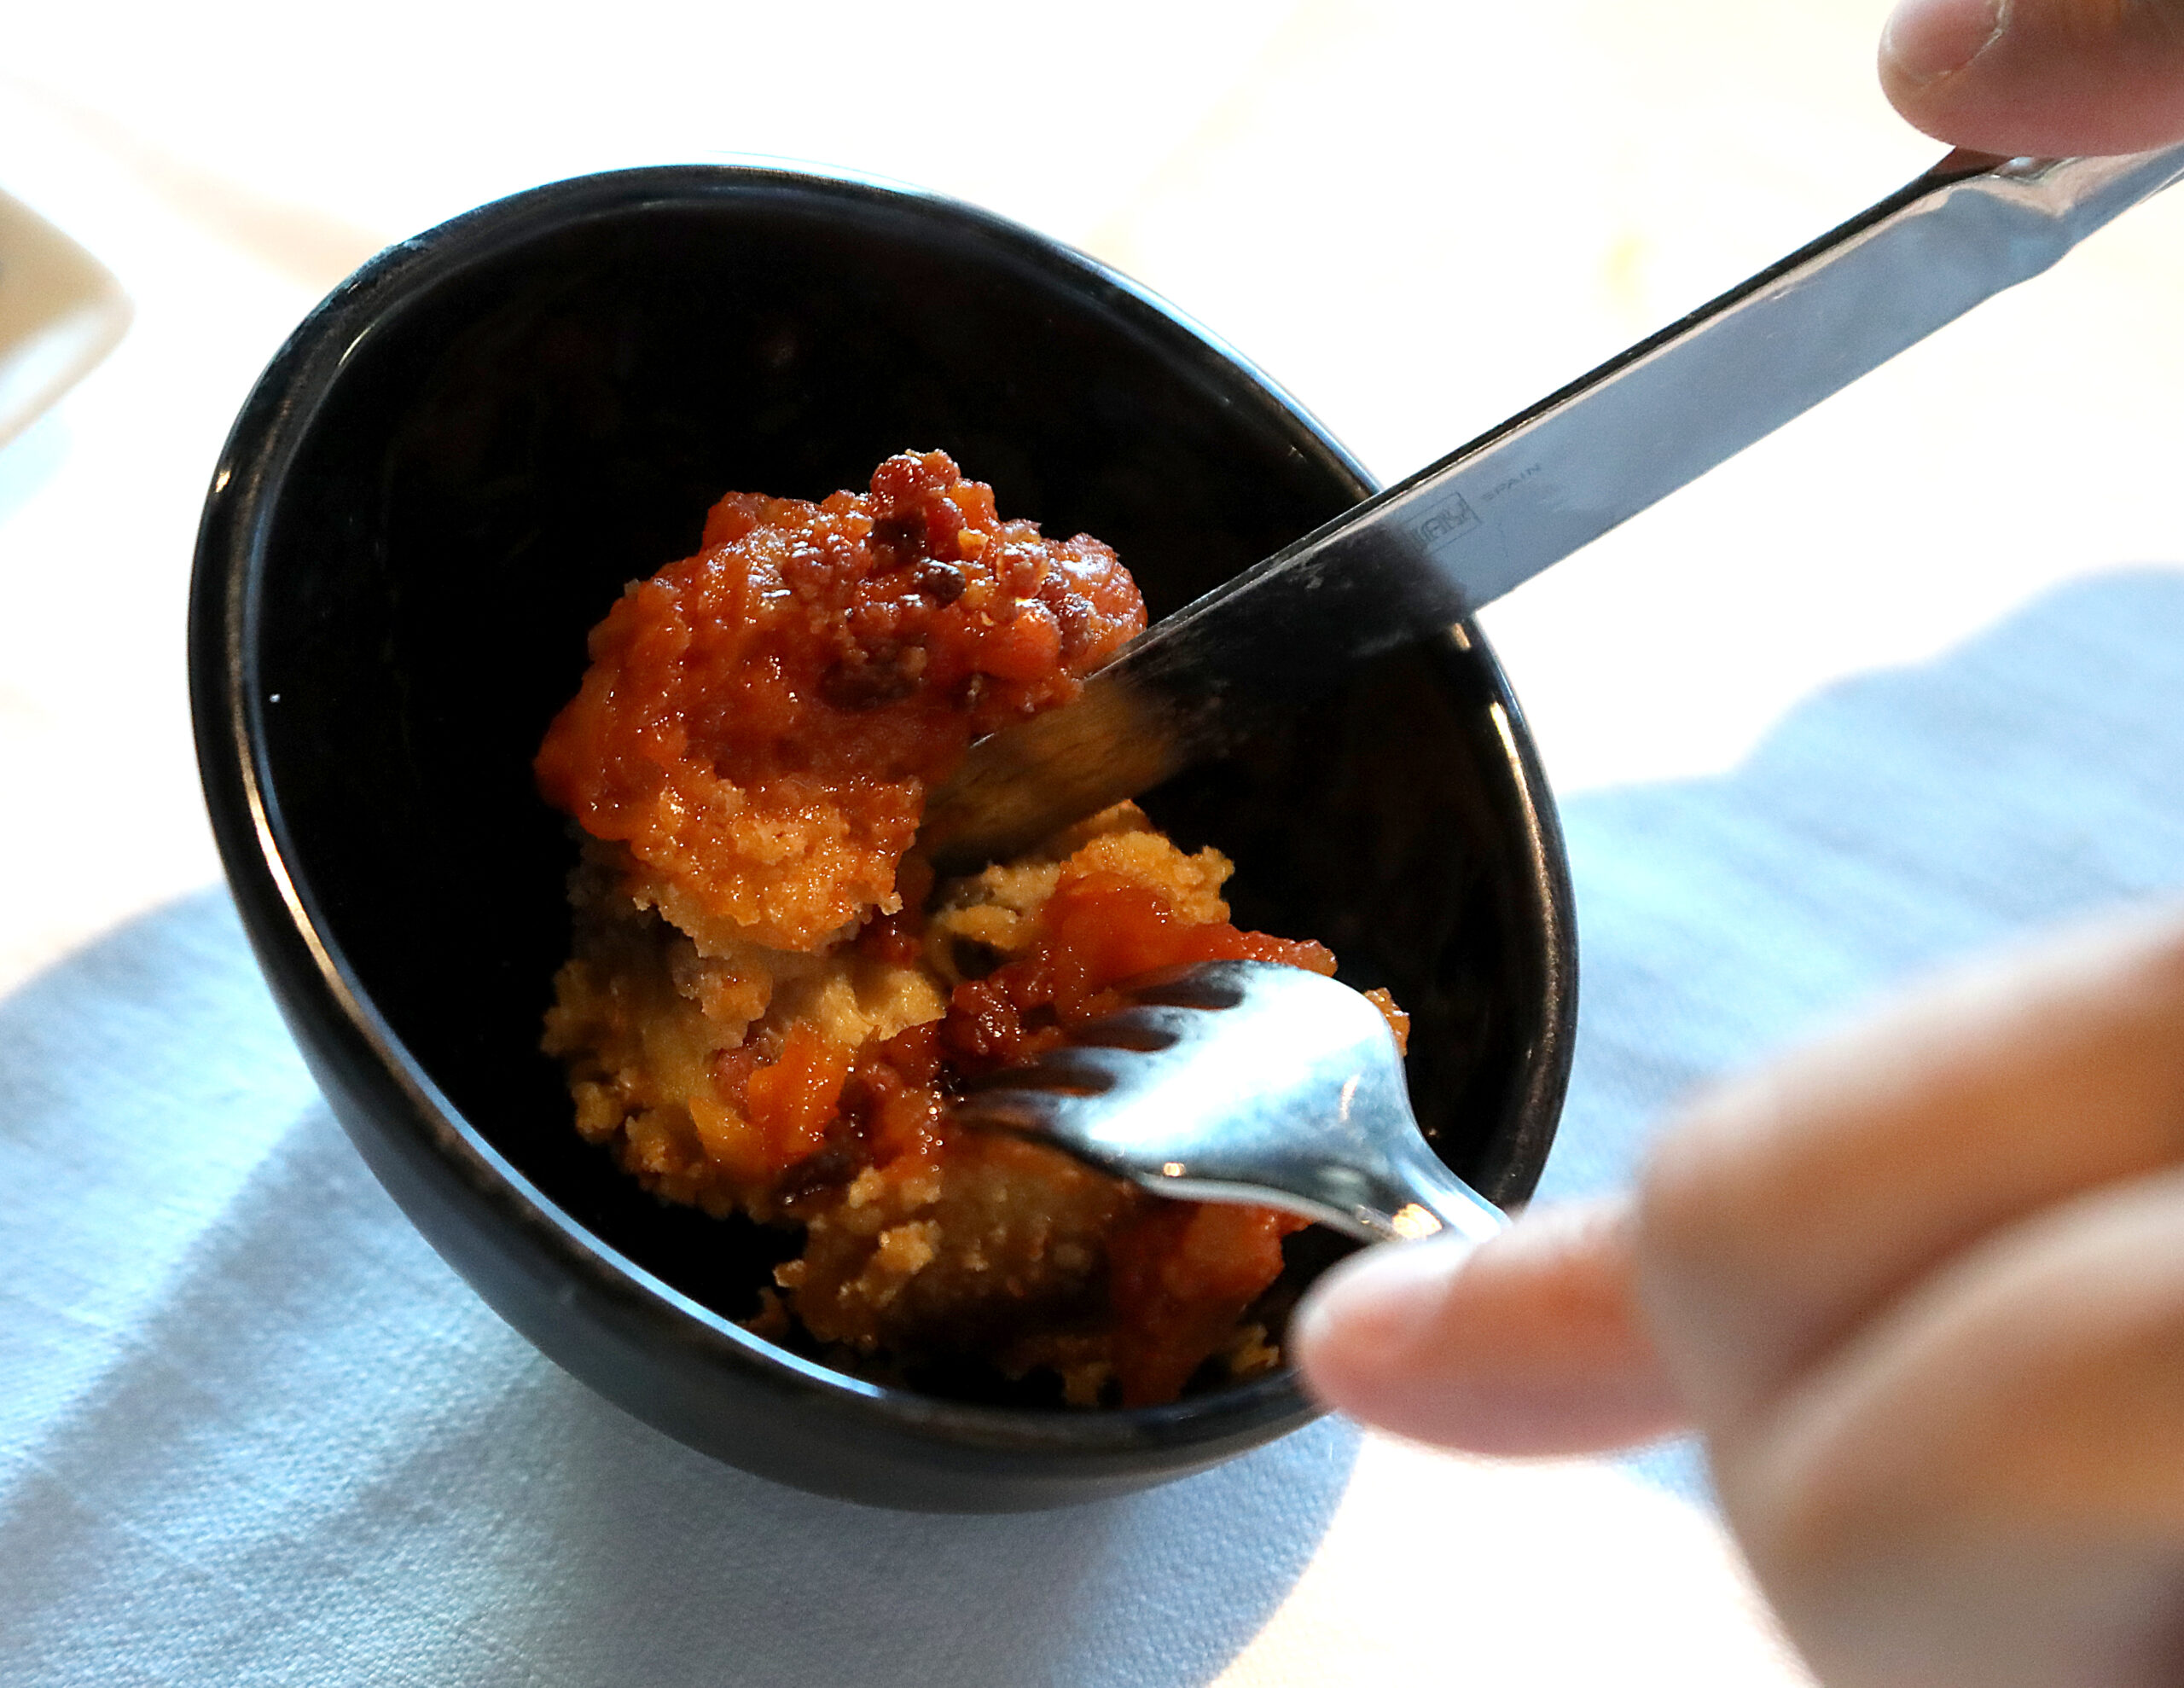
x=296 y=940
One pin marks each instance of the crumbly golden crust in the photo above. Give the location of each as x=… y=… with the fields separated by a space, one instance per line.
x=767 y=1008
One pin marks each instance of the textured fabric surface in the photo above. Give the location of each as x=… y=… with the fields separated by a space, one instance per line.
x=1891 y=825
x=252 y=1430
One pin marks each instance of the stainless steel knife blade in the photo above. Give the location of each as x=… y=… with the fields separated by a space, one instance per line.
x=1493 y=514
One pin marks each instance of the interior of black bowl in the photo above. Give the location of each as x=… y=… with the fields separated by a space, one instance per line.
x=547 y=415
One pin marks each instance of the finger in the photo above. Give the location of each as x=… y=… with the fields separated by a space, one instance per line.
x=2047 y=78
x=1786 y=1209
x=1528 y=1343
x=2007 y=1442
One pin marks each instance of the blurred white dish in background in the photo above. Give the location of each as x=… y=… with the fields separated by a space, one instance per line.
x=60 y=312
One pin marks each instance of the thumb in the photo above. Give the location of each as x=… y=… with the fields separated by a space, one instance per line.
x=1530 y=1343
x=2039 y=77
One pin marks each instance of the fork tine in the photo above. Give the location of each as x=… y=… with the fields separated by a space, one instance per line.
x=1085 y=1070
x=1028 y=1110
x=1147 y=1029
x=1199 y=985
x=1041 y=1077
x=1289 y=1093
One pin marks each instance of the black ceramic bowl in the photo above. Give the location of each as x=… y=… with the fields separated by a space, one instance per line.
x=444 y=479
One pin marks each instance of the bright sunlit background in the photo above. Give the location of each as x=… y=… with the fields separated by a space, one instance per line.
x=1417 y=216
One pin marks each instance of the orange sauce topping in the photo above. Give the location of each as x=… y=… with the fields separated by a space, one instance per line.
x=1181 y=1274
x=761 y=720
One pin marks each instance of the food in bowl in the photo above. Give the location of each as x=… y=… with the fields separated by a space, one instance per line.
x=769 y=1002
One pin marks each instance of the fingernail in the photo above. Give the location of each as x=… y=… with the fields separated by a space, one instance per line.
x=1928 y=39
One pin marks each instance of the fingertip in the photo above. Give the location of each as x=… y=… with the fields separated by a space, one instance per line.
x=2038 y=77
x=1526 y=1344
x=1358 y=1336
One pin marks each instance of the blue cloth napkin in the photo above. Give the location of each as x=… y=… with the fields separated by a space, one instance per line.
x=253 y=1431
x=1888 y=825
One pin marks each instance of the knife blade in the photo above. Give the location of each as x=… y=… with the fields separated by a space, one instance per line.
x=1430 y=551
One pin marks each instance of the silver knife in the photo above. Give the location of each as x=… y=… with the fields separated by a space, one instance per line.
x=1493 y=514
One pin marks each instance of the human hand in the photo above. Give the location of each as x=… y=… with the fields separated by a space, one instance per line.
x=2044 y=79
x=1921 y=1289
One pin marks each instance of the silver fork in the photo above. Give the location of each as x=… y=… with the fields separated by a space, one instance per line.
x=1244 y=1081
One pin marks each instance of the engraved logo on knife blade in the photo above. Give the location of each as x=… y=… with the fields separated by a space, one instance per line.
x=1451 y=520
